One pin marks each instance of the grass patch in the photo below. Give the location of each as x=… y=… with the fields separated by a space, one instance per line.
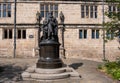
x=111 y=68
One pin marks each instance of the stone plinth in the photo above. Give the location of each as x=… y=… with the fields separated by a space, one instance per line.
x=39 y=74
x=49 y=55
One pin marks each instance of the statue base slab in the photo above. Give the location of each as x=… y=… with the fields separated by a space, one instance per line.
x=39 y=74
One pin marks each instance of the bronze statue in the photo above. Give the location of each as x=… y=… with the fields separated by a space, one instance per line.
x=45 y=30
x=49 y=45
x=50 y=28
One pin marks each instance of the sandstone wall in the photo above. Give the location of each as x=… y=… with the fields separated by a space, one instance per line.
x=6 y=46
x=24 y=47
x=89 y=48
x=75 y=47
x=26 y=13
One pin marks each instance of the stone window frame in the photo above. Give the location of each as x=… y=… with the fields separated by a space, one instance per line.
x=46 y=7
x=7 y=33
x=113 y=8
x=89 y=11
x=6 y=10
x=109 y=35
x=21 y=34
x=84 y=33
x=96 y=34
x=9 y=10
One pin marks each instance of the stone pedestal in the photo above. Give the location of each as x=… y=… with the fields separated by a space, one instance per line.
x=49 y=65
x=49 y=55
x=39 y=74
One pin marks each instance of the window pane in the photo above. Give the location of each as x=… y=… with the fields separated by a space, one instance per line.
x=87 y=11
x=9 y=13
x=80 y=34
x=95 y=14
x=110 y=9
x=4 y=10
x=9 y=10
x=4 y=6
x=87 y=8
x=91 y=8
x=5 y=34
x=56 y=13
x=93 y=34
x=108 y=35
x=42 y=13
x=95 y=11
x=82 y=11
x=91 y=11
x=96 y=8
x=91 y=14
x=19 y=34
x=46 y=15
x=85 y=34
x=56 y=7
x=46 y=7
x=82 y=8
x=97 y=34
x=9 y=6
x=47 y=10
x=10 y=33
x=114 y=8
x=118 y=9
x=42 y=7
x=82 y=15
x=24 y=34
x=51 y=7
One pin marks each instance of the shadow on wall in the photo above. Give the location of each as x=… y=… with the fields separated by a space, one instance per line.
x=75 y=65
x=10 y=73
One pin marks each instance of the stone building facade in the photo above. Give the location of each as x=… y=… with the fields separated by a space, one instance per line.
x=82 y=35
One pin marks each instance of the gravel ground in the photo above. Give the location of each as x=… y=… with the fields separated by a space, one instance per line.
x=12 y=69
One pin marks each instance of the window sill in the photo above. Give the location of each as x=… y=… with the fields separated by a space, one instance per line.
x=20 y=39
x=5 y=17
x=89 y=18
x=7 y=39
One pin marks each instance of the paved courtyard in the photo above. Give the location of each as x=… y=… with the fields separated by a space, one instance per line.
x=87 y=69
